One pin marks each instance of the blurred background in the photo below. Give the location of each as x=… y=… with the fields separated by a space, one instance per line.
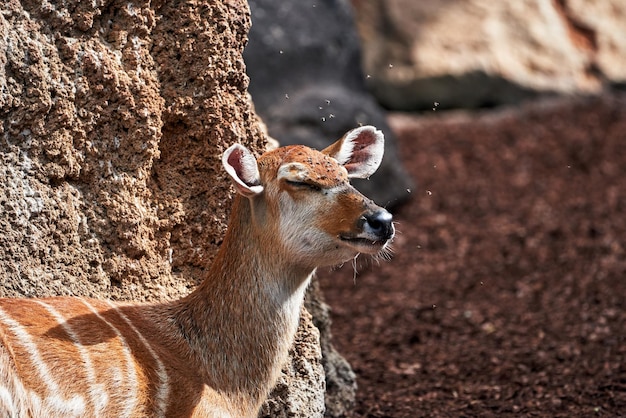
x=506 y=146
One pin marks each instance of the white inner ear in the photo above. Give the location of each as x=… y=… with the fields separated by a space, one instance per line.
x=249 y=170
x=246 y=174
x=361 y=167
x=347 y=146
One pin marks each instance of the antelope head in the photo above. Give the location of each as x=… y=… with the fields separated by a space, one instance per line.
x=303 y=205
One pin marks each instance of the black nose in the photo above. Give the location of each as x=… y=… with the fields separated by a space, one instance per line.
x=380 y=224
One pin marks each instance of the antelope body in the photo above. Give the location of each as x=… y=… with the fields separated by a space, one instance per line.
x=218 y=351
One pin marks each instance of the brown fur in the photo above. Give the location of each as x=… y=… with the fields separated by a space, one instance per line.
x=214 y=353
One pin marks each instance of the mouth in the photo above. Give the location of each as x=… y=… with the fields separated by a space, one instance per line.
x=364 y=245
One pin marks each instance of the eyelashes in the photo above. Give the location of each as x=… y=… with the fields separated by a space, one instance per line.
x=303 y=185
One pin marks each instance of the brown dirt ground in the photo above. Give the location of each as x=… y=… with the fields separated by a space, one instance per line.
x=507 y=292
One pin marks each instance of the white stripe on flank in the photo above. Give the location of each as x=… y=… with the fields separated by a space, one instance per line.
x=131 y=399
x=6 y=402
x=164 y=387
x=74 y=406
x=98 y=393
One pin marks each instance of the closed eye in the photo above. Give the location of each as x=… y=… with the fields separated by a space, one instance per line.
x=303 y=185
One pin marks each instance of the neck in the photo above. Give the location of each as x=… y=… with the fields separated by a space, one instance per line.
x=241 y=320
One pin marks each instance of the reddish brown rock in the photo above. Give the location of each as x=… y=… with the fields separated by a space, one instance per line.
x=505 y=296
x=114 y=116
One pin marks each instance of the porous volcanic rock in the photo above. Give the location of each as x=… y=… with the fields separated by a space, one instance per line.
x=113 y=118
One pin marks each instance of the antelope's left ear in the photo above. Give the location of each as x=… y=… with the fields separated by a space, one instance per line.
x=360 y=151
x=243 y=170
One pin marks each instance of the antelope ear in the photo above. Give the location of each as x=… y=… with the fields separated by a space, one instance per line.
x=360 y=151
x=243 y=170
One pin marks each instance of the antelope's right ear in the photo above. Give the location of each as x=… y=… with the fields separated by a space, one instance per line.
x=360 y=151
x=243 y=170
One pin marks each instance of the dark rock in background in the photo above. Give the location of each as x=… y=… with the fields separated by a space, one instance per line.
x=306 y=82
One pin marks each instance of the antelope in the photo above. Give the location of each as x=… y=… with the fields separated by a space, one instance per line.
x=218 y=351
